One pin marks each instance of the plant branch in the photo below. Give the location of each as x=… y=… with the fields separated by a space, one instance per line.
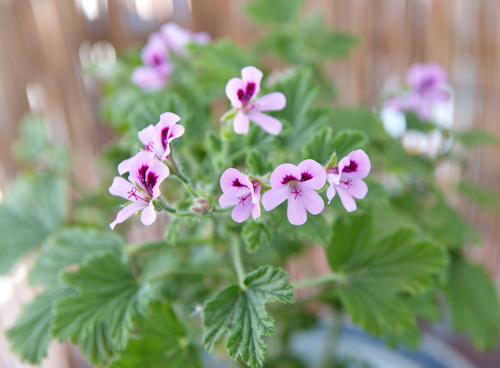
x=317 y=281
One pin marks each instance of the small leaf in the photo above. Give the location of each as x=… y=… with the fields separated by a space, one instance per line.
x=30 y=336
x=320 y=145
x=258 y=163
x=377 y=272
x=242 y=315
x=473 y=303
x=106 y=293
x=161 y=342
x=33 y=208
x=347 y=141
x=70 y=246
x=256 y=235
x=229 y=115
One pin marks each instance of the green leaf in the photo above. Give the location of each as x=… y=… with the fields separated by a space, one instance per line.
x=256 y=235
x=106 y=292
x=258 y=163
x=276 y=11
x=474 y=137
x=486 y=198
x=414 y=122
x=242 y=315
x=33 y=208
x=320 y=145
x=473 y=303
x=162 y=342
x=347 y=141
x=96 y=345
x=376 y=272
x=70 y=246
x=30 y=336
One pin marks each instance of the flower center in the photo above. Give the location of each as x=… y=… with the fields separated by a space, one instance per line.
x=132 y=193
x=347 y=183
x=148 y=179
x=296 y=191
x=244 y=198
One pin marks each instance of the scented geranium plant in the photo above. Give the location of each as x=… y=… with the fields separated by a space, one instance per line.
x=243 y=168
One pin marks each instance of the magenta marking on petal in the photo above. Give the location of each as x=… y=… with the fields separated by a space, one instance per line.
x=297 y=192
x=288 y=178
x=305 y=176
x=245 y=96
x=148 y=179
x=236 y=183
x=353 y=167
x=164 y=137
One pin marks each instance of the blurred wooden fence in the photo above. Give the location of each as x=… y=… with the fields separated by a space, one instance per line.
x=40 y=41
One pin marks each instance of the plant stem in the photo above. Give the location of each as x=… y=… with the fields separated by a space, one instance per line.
x=317 y=281
x=238 y=264
x=179 y=175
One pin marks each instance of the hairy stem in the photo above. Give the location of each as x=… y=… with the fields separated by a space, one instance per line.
x=317 y=281
x=238 y=264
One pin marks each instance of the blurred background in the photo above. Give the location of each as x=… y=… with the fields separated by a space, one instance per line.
x=45 y=46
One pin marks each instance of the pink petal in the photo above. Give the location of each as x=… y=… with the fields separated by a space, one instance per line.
x=313 y=170
x=252 y=74
x=176 y=131
x=121 y=187
x=274 y=197
x=124 y=166
x=155 y=51
x=128 y=211
x=330 y=192
x=283 y=171
x=363 y=161
x=296 y=211
x=346 y=199
x=167 y=119
x=143 y=158
x=148 y=78
x=357 y=188
x=161 y=170
x=268 y=123
x=240 y=123
x=312 y=201
x=256 y=211
x=242 y=211
x=232 y=196
x=232 y=88
x=230 y=176
x=149 y=138
x=271 y=102
x=148 y=215
x=202 y=38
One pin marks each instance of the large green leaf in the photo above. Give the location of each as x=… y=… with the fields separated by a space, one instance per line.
x=33 y=209
x=161 y=342
x=107 y=293
x=375 y=273
x=30 y=336
x=240 y=312
x=256 y=235
x=70 y=246
x=473 y=303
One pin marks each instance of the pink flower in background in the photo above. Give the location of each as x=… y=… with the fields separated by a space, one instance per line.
x=143 y=185
x=177 y=38
x=149 y=78
x=240 y=191
x=298 y=184
x=242 y=94
x=156 y=139
x=346 y=179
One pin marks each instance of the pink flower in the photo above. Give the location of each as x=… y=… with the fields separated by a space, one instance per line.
x=157 y=138
x=176 y=38
x=346 y=179
x=298 y=185
x=242 y=94
x=143 y=185
x=240 y=191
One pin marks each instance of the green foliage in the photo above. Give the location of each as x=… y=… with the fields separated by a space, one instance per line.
x=474 y=137
x=106 y=293
x=256 y=235
x=240 y=312
x=70 y=247
x=162 y=341
x=258 y=163
x=347 y=141
x=33 y=208
x=376 y=273
x=30 y=336
x=473 y=303
x=278 y=11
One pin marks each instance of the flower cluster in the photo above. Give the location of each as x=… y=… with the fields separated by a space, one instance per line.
x=299 y=185
x=146 y=170
x=171 y=38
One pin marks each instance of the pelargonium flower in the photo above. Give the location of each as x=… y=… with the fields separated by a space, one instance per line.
x=298 y=184
x=242 y=94
x=346 y=179
x=156 y=139
x=141 y=188
x=239 y=190
x=176 y=38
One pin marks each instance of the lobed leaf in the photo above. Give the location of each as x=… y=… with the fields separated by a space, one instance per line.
x=256 y=235
x=242 y=315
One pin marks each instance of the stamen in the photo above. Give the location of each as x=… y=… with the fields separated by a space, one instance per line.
x=348 y=183
x=243 y=199
x=149 y=146
x=297 y=192
x=132 y=193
